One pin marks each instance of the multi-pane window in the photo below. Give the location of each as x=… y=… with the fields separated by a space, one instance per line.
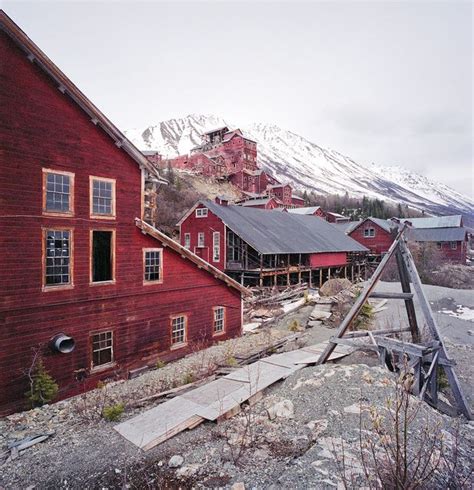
x=187 y=240
x=216 y=246
x=219 y=319
x=454 y=245
x=102 y=267
x=369 y=232
x=152 y=260
x=201 y=212
x=102 y=349
x=102 y=197
x=178 y=329
x=200 y=239
x=57 y=192
x=57 y=257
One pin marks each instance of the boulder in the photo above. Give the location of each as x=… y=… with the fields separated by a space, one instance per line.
x=175 y=461
x=283 y=409
x=318 y=314
x=334 y=286
x=314 y=323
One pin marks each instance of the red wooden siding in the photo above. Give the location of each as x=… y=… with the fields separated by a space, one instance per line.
x=334 y=259
x=379 y=243
x=43 y=128
x=207 y=225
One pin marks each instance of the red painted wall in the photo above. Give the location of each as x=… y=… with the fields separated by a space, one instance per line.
x=193 y=225
x=378 y=244
x=448 y=254
x=41 y=127
x=333 y=259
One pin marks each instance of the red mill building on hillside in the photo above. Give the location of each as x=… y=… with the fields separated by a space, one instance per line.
x=231 y=156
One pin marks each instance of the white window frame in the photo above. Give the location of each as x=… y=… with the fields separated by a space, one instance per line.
x=453 y=245
x=160 y=278
x=113 y=183
x=216 y=246
x=369 y=232
x=201 y=239
x=187 y=240
x=218 y=319
x=201 y=212
x=53 y=212
x=181 y=343
x=106 y=365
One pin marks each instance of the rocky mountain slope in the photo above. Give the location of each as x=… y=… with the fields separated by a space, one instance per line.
x=294 y=159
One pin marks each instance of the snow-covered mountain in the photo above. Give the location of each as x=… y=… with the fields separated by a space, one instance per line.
x=292 y=158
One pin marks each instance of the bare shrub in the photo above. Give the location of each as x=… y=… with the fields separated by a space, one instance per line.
x=401 y=448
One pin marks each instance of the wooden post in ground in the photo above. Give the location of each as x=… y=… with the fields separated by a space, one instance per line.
x=329 y=273
x=352 y=273
x=310 y=279
x=320 y=277
x=360 y=301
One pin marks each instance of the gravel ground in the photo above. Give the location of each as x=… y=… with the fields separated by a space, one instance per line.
x=294 y=452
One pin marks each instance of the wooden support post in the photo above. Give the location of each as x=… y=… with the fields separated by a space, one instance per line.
x=299 y=276
x=320 y=277
x=417 y=382
x=310 y=279
x=275 y=280
x=352 y=273
x=345 y=271
x=329 y=273
x=360 y=301
x=358 y=270
x=409 y=305
x=288 y=282
x=430 y=321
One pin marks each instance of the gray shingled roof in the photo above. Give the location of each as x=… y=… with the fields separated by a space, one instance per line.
x=455 y=234
x=435 y=221
x=274 y=232
x=346 y=226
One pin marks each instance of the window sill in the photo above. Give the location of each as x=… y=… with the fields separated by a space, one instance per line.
x=151 y=283
x=62 y=287
x=178 y=346
x=102 y=367
x=105 y=216
x=65 y=214
x=103 y=283
x=218 y=334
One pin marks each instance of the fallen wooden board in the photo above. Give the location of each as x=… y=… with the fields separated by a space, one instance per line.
x=214 y=400
x=159 y=423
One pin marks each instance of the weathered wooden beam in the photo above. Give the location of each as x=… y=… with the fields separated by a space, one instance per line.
x=365 y=333
x=429 y=375
x=360 y=301
x=409 y=305
x=381 y=295
x=405 y=347
x=430 y=321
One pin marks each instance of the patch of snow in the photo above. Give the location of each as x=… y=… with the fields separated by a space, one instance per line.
x=462 y=312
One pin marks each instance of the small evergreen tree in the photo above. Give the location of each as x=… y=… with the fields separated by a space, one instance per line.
x=43 y=388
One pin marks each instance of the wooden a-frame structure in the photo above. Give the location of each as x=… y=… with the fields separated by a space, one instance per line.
x=426 y=358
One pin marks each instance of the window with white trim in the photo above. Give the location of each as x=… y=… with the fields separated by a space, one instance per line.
x=187 y=240
x=57 y=267
x=178 y=329
x=102 y=349
x=216 y=246
x=454 y=245
x=201 y=239
x=102 y=197
x=201 y=212
x=152 y=262
x=58 y=191
x=219 y=319
x=369 y=232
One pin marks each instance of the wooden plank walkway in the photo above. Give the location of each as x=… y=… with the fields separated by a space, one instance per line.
x=218 y=398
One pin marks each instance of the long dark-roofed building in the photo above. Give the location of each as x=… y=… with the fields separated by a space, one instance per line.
x=269 y=247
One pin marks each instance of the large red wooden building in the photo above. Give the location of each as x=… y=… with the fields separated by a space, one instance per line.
x=446 y=233
x=85 y=280
x=267 y=247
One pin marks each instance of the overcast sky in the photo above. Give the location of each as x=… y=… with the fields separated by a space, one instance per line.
x=378 y=81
